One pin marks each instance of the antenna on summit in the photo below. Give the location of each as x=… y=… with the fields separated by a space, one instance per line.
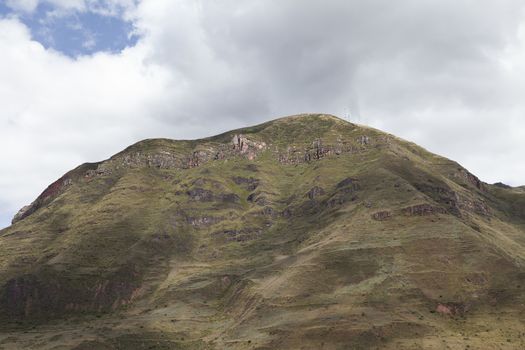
x=347 y=114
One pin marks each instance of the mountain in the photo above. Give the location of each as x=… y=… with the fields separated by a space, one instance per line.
x=306 y=232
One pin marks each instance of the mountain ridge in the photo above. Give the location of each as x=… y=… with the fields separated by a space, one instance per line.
x=146 y=144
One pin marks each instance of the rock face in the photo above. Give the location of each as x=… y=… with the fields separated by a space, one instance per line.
x=305 y=232
x=316 y=151
x=315 y=192
x=204 y=221
x=50 y=193
x=249 y=184
x=22 y=213
x=455 y=202
x=451 y=309
x=247 y=147
x=423 y=209
x=349 y=184
x=201 y=195
x=382 y=215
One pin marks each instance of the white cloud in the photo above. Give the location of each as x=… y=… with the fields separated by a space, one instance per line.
x=58 y=112
x=448 y=75
x=22 y=5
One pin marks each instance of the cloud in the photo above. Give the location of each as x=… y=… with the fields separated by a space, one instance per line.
x=63 y=7
x=22 y=5
x=445 y=74
x=58 y=112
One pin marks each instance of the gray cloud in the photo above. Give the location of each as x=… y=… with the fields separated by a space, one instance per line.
x=446 y=74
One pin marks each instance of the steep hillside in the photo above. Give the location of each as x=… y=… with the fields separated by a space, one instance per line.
x=304 y=232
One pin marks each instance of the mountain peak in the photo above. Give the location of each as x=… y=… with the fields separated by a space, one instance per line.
x=304 y=227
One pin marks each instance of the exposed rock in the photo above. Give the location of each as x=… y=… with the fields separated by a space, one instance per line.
x=340 y=199
x=197 y=158
x=161 y=160
x=348 y=184
x=345 y=192
x=451 y=309
x=442 y=195
x=247 y=147
x=220 y=155
x=318 y=150
x=455 y=202
x=249 y=184
x=363 y=140
x=423 y=210
x=268 y=211
x=229 y=198
x=286 y=213
x=315 y=192
x=21 y=214
x=470 y=179
x=382 y=215
x=200 y=195
x=475 y=206
x=203 y=221
x=258 y=198
x=49 y=194
x=203 y=181
x=100 y=171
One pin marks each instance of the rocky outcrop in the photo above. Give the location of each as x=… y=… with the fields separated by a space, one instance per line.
x=315 y=192
x=22 y=213
x=200 y=195
x=442 y=195
x=160 y=159
x=423 y=210
x=240 y=145
x=451 y=309
x=319 y=150
x=49 y=194
x=203 y=221
x=474 y=206
x=345 y=191
x=269 y=211
x=470 y=179
x=286 y=213
x=258 y=198
x=382 y=215
x=364 y=140
x=316 y=151
x=454 y=202
x=100 y=171
x=348 y=184
x=248 y=184
x=228 y=198
x=203 y=195
x=197 y=158
x=246 y=147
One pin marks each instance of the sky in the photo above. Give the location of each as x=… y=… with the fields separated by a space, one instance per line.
x=82 y=79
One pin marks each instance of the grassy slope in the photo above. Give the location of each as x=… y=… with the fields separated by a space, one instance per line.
x=129 y=259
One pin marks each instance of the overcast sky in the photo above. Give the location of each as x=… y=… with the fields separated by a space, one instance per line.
x=82 y=79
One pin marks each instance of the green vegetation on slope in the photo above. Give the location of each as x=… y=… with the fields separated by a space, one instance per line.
x=303 y=232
